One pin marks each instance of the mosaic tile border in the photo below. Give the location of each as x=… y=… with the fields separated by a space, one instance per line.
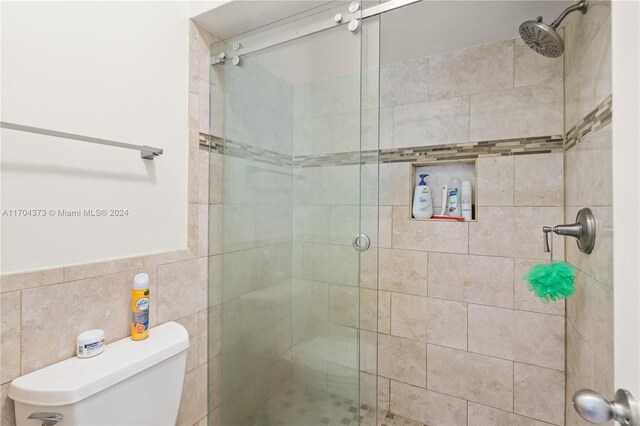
x=446 y=152
x=601 y=116
x=242 y=150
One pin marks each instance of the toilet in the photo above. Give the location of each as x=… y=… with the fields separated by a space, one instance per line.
x=131 y=383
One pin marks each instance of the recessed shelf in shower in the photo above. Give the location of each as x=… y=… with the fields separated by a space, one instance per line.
x=440 y=173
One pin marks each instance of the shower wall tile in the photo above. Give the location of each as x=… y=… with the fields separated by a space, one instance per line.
x=514 y=232
x=384 y=226
x=347 y=221
x=527 y=337
x=590 y=170
x=216 y=114
x=426 y=406
x=368 y=309
x=10 y=307
x=312 y=136
x=330 y=263
x=404 y=82
x=311 y=299
x=476 y=279
x=580 y=29
x=193 y=405
x=395 y=178
x=594 y=316
x=203 y=235
x=446 y=236
x=537 y=391
x=368 y=351
x=215 y=178
x=343 y=305
x=403 y=271
x=345 y=131
x=531 y=68
x=203 y=106
x=495 y=181
x=477 y=69
x=403 y=360
x=203 y=337
x=385 y=137
x=384 y=393
x=481 y=415
x=182 y=289
x=431 y=123
x=202 y=167
x=333 y=185
x=523 y=111
x=214 y=332
x=384 y=312
x=190 y=323
x=539 y=180
x=587 y=60
x=436 y=321
x=470 y=376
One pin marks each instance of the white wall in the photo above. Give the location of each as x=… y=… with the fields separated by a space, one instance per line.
x=113 y=70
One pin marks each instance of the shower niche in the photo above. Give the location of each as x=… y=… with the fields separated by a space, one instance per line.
x=440 y=173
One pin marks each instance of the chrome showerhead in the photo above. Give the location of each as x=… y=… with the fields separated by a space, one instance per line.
x=544 y=38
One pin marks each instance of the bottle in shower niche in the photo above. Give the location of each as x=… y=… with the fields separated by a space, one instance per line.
x=465 y=193
x=455 y=206
x=422 y=203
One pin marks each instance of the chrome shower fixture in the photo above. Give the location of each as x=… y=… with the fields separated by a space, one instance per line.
x=544 y=38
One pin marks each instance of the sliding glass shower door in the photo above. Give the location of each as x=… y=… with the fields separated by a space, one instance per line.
x=294 y=283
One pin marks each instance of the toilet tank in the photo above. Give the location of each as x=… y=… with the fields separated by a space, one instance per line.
x=131 y=383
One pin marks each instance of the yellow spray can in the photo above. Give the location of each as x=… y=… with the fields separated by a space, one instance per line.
x=140 y=307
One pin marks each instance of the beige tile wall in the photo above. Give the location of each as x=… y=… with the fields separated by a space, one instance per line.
x=493 y=91
x=588 y=183
x=41 y=312
x=461 y=338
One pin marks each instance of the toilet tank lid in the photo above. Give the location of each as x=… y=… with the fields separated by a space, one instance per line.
x=75 y=379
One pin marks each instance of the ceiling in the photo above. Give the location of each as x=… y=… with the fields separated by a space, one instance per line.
x=421 y=29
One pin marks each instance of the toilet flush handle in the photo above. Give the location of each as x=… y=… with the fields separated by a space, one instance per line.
x=48 y=419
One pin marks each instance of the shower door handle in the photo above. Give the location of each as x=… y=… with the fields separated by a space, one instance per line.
x=361 y=242
x=594 y=408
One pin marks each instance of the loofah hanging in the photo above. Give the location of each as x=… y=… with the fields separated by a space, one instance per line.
x=552 y=281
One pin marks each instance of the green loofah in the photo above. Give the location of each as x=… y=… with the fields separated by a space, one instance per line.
x=552 y=281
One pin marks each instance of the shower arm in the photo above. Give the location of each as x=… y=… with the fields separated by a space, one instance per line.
x=582 y=6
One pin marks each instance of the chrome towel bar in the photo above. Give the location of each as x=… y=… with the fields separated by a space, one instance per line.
x=146 y=152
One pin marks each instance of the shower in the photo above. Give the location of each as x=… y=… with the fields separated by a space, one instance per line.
x=544 y=38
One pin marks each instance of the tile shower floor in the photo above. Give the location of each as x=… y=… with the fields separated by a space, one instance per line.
x=298 y=406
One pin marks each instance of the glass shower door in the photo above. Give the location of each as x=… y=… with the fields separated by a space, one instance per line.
x=293 y=192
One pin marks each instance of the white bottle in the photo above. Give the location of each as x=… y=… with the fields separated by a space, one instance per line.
x=422 y=203
x=454 y=198
x=445 y=197
x=465 y=192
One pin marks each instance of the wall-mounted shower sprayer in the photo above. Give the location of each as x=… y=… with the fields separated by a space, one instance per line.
x=544 y=38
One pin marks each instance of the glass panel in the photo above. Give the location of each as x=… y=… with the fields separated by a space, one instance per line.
x=285 y=284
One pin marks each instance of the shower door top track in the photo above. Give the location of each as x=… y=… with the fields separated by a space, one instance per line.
x=339 y=19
